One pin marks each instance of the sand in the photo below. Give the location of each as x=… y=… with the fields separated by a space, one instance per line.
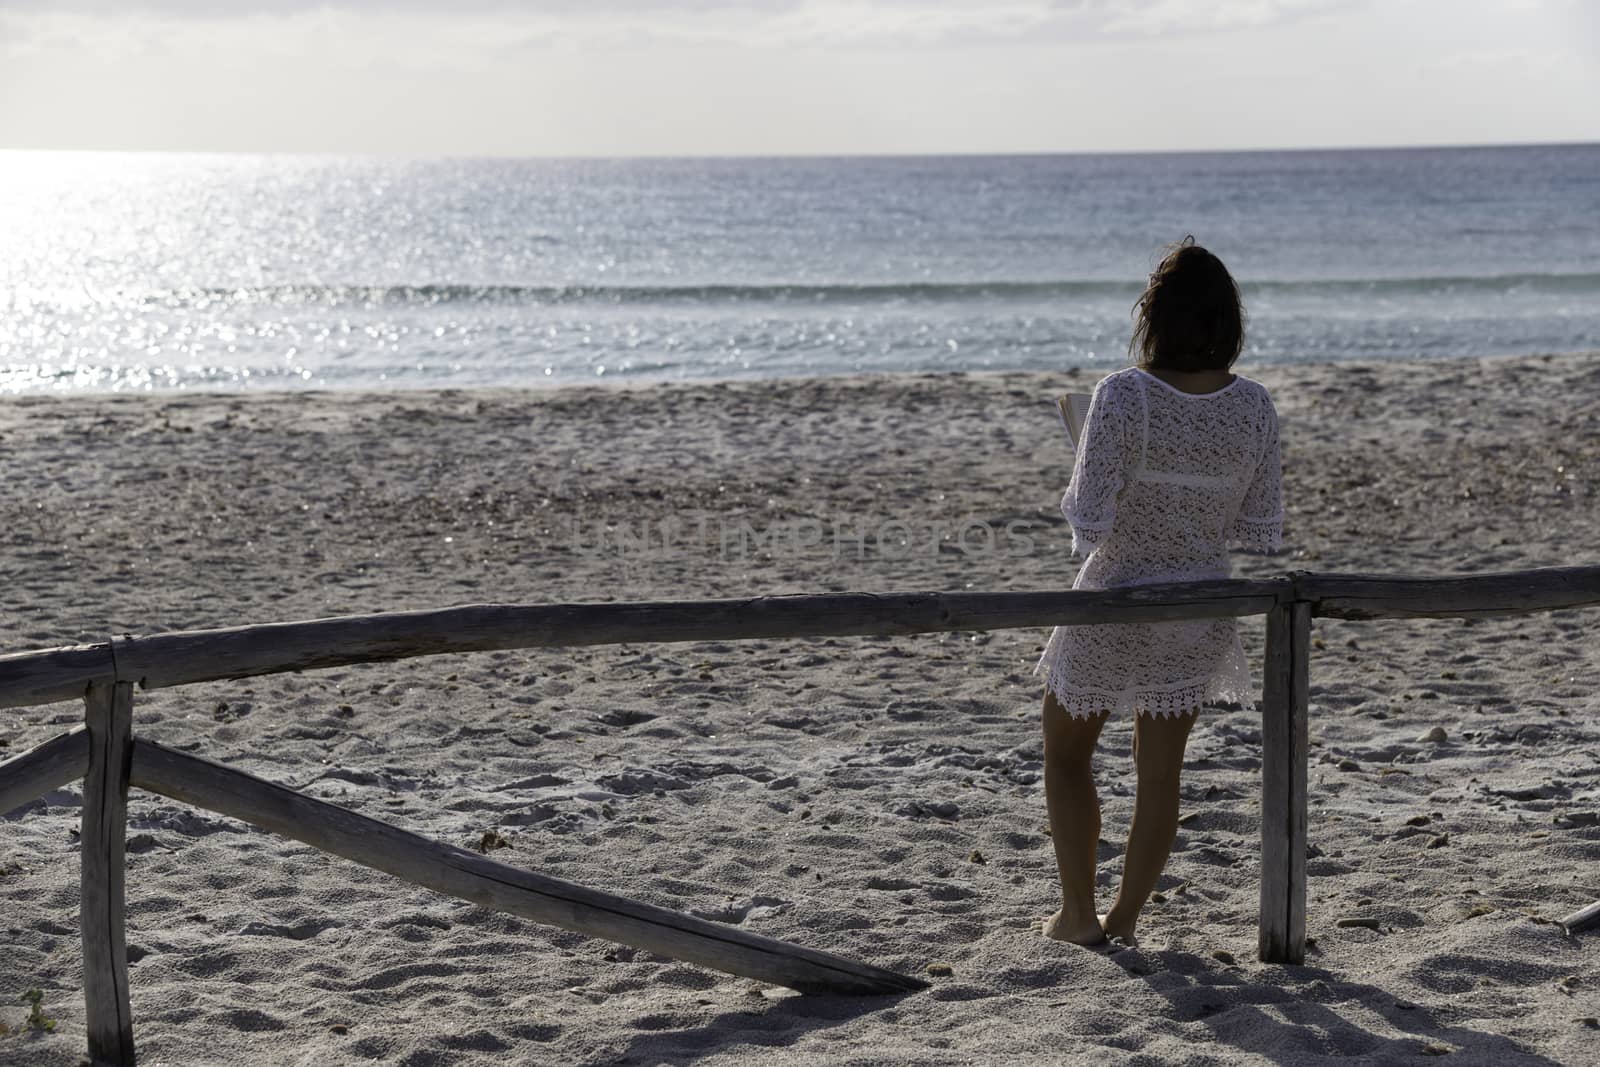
x=874 y=797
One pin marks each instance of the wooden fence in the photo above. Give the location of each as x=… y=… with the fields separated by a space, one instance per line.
x=108 y=756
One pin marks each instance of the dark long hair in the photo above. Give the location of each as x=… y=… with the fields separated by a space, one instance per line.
x=1189 y=318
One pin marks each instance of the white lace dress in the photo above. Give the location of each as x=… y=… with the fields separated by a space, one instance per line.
x=1164 y=484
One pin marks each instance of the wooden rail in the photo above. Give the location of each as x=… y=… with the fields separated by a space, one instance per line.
x=1373 y=596
x=469 y=876
x=180 y=658
x=51 y=765
x=109 y=758
x=209 y=655
x=53 y=674
x=1582 y=919
x=241 y=652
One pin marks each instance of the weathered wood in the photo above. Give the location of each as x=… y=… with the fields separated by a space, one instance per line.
x=1276 y=684
x=50 y=765
x=1284 y=717
x=1582 y=919
x=207 y=655
x=459 y=873
x=173 y=659
x=1365 y=596
x=107 y=1015
x=52 y=674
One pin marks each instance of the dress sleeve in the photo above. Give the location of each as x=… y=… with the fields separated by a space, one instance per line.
x=1100 y=470
x=1259 y=525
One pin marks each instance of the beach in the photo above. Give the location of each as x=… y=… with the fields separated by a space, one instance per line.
x=875 y=797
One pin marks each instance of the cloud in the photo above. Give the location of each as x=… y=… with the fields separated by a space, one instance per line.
x=486 y=31
x=221 y=9
x=1157 y=18
x=612 y=77
x=744 y=23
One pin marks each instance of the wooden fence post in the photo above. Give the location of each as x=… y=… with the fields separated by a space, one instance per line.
x=1283 y=784
x=107 y=1014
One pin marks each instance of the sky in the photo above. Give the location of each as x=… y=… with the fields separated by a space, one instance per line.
x=784 y=77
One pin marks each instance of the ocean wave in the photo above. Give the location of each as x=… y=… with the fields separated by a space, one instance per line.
x=785 y=294
x=782 y=293
x=1578 y=282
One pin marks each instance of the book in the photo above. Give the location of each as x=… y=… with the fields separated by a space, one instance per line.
x=1074 y=411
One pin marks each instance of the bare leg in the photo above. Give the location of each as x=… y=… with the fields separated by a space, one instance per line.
x=1158 y=743
x=1074 y=819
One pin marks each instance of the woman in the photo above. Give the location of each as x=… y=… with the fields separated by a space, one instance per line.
x=1178 y=462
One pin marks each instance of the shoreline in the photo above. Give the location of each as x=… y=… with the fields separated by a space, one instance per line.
x=876 y=797
x=617 y=384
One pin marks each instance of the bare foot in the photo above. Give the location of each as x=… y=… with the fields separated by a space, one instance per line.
x=1117 y=934
x=1088 y=934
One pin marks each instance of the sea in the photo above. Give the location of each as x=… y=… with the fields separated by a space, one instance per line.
x=135 y=272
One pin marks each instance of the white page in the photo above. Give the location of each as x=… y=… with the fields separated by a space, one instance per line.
x=1074 y=411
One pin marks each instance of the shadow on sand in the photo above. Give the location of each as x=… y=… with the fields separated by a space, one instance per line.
x=1318 y=1021
x=765 y=1026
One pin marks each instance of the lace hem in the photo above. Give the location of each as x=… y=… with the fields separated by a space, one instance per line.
x=1179 y=698
x=1256 y=535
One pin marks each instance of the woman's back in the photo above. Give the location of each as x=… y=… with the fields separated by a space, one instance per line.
x=1167 y=480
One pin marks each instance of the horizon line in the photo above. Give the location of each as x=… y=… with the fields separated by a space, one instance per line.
x=752 y=157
